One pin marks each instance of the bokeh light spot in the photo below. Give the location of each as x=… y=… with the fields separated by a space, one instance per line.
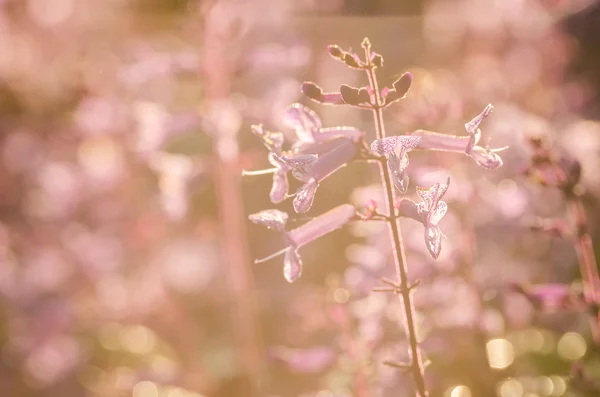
x=341 y=295
x=460 y=391
x=511 y=388
x=145 y=389
x=138 y=339
x=500 y=353
x=559 y=385
x=571 y=346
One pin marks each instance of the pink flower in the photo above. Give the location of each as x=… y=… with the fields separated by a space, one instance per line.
x=333 y=147
x=550 y=296
x=485 y=157
x=324 y=166
x=396 y=149
x=309 y=128
x=296 y=238
x=429 y=212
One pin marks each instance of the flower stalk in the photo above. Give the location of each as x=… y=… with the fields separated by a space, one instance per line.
x=551 y=169
x=416 y=365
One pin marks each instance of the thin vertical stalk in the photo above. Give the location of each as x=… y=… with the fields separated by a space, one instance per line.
x=218 y=73
x=584 y=247
x=417 y=368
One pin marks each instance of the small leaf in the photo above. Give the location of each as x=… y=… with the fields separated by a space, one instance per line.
x=377 y=59
x=402 y=85
x=350 y=94
x=352 y=60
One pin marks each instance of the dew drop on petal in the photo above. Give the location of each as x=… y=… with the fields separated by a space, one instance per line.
x=292 y=265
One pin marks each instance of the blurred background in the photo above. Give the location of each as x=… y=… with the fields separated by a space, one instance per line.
x=125 y=251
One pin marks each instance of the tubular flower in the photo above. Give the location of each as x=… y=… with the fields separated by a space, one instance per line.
x=324 y=166
x=300 y=236
x=485 y=157
x=429 y=212
x=335 y=146
x=396 y=149
x=309 y=128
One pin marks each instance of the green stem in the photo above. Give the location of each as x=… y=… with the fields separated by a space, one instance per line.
x=417 y=368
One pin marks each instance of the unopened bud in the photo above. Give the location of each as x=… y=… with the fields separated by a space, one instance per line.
x=336 y=52
x=313 y=91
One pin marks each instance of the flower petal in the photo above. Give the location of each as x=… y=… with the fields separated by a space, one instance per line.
x=397 y=167
x=303 y=121
x=301 y=165
x=280 y=187
x=385 y=146
x=272 y=140
x=406 y=143
x=472 y=126
x=321 y=225
x=272 y=219
x=486 y=158
x=305 y=196
x=278 y=161
x=429 y=195
x=292 y=265
x=438 y=213
x=433 y=240
x=326 y=134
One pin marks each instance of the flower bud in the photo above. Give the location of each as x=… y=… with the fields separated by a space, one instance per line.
x=336 y=52
x=312 y=91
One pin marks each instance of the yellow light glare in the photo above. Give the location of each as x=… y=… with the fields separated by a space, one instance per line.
x=341 y=295
x=500 y=353
x=460 y=391
x=145 y=389
x=571 y=346
x=511 y=388
x=560 y=386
